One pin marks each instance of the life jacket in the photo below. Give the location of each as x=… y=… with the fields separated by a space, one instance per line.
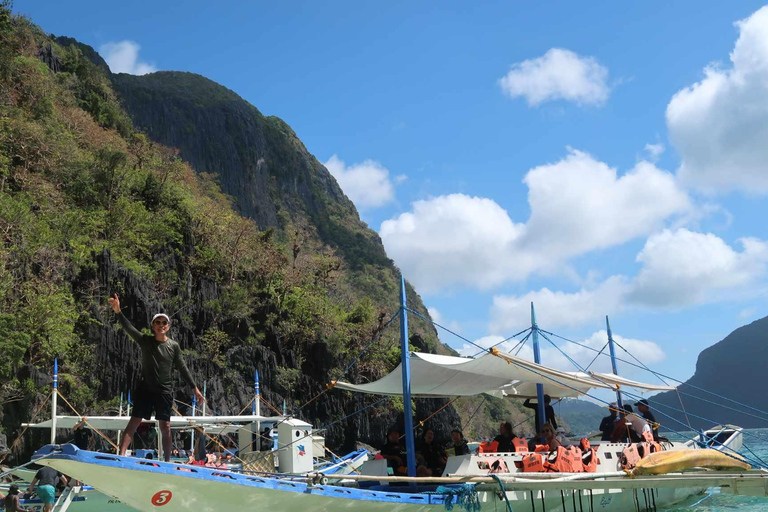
x=653 y=445
x=542 y=448
x=630 y=456
x=562 y=460
x=520 y=444
x=488 y=447
x=584 y=444
x=576 y=465
x=590 y=460
x=532 y=463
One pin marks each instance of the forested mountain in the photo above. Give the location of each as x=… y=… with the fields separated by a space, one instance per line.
x=734 y=368
x=239 y=234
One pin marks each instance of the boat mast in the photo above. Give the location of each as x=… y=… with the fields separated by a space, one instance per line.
x=405 y=361
x=537 y=359
x=54 y=398
x=613 y=360
x=192 y=433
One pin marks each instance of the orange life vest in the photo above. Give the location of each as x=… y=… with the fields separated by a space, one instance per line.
x=577 y=466
x=532 y=463
x=590 y=460
x=541 y=448
x=562 y=460
x=653 y=446
x=488 y=447
x=520 y=444
x=630 y=456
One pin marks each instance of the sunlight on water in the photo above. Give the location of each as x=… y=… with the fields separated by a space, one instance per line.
x=757 y=441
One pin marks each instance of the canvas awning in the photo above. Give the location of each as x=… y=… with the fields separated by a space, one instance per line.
x=622 y=382
x=440 y=376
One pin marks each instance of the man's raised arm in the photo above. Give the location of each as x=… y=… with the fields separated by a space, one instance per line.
x=129 y=328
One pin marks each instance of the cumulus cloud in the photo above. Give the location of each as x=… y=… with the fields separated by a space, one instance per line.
x=679 y=268
x=559 y=74
x=367 y=184
x=720 y=125
x=684 y=267
x=577 y=205
x=123 y=57
x=647 y=351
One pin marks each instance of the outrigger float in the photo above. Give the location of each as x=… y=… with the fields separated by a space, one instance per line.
x=607 y=476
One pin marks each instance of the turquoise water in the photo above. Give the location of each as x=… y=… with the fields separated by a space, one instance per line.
x=757 y=441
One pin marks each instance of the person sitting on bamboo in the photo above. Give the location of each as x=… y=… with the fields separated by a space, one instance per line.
x=505 y=438
x=458 y=445
x=432 y=453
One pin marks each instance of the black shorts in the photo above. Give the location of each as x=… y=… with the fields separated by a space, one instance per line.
x=146 y=401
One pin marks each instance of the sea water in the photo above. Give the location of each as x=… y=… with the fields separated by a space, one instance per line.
x=757 y=441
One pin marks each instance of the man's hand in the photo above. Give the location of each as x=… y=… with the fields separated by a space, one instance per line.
x=115 y=303
x=199 y=396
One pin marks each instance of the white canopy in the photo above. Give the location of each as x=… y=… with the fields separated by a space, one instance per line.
x=499 y=374
x=615 y=380
x=120 y=422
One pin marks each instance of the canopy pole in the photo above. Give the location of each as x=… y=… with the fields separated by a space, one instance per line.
x=405 y=360
x=257 y=408
x=54 y=398
x=205 y=397
x=128 y=404
x=613 y=360
x=539 y=387
x=192 y=433
x=119 y=414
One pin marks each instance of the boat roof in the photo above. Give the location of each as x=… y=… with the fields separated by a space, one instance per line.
x=224 y=424
x=499 y=374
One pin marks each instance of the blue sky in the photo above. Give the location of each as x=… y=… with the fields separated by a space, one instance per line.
x=640 y=131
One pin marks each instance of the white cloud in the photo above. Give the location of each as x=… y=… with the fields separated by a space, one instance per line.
x=683 y=267
x=679 y=268
x=400 y=178
x=577 y=205
x=367 y=184
x=123 y=57
x=720 y=125
x=558 y=75
x=647 y=351
x=654 y=150
x=557 y=309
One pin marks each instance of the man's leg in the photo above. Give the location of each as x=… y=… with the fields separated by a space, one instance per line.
x=165 y=431
x=133 y=424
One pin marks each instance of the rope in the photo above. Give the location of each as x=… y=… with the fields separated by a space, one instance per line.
x=598 y=355
x=469 y=422
x=18 y=438
x=448 y=330
x=270 y=405
x=466 y=497
x=201 y=430
x=246 y=406
x=83 y=418
x=421 y=423
x=503 y=491
x=504 y=341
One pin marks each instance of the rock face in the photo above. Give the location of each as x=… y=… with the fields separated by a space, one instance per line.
x=734 y=368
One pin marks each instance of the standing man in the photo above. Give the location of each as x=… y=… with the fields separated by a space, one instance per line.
x=11 y=502
x=549 y=413
x=608 y=424
x=159 y=354
x=46 y=480
x=645 y=410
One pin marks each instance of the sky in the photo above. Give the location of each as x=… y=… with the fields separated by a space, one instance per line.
x=595 y=158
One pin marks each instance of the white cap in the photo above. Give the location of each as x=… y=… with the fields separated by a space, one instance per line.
x=160 y=315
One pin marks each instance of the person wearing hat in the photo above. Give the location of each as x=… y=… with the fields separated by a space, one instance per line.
x=159 y=355
x=11 y=502
x=629 y=427
x=645 y=410
x=608 y=424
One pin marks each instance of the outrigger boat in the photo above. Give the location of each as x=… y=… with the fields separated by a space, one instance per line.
x=608 y=476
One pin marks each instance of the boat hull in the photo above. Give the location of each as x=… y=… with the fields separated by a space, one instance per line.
x=152 y=486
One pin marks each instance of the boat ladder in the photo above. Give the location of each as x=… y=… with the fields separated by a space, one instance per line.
x=65 y=499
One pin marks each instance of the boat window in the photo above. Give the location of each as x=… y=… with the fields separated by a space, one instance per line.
x=608 y=455
x=144 y=463
x=102 y=457
x=223 y=475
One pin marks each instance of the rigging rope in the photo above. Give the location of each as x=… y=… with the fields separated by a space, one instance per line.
x=503 y=341
x=83 y=418
x=18 y=438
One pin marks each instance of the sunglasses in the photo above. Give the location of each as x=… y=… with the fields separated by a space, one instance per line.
x=161 y=322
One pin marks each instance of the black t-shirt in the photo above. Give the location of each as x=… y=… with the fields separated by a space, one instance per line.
x=505 y=444
x=82 y=438
x=432 y=454
x=392 y=449
x=607 y=426
x=48 y=476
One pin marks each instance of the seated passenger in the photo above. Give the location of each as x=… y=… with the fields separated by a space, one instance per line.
x=548 y=433
x=458 y=445
x=393 y=451
x=434 y=456
x=505 y=437
x=629 y=427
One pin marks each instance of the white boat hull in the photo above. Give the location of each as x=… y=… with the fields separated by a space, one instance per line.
x=171 y=487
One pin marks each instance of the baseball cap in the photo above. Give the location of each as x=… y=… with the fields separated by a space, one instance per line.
x=160 y=315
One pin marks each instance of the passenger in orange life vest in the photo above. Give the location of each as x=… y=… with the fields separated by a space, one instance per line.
x=549 y=434
x=629 y=424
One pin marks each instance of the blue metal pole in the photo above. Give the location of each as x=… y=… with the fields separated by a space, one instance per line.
x=537 y=359
x=613 y=360
x=255 y=392
x=54 y=399
x=405 y=361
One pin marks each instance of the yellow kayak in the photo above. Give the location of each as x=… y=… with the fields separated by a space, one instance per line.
x=679 y=460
